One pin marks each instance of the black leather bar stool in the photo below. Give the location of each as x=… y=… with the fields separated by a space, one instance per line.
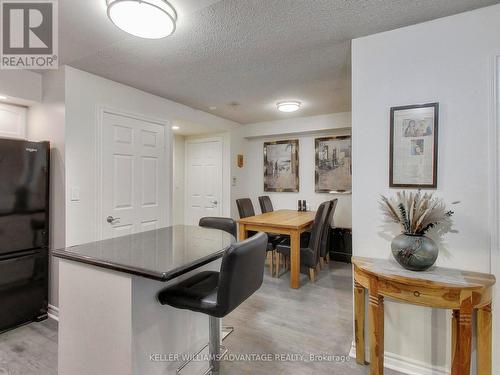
x=218 y=293
x=223 y=223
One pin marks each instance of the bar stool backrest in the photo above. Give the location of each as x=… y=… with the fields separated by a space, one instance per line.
x=223 y=223
x=241 y=272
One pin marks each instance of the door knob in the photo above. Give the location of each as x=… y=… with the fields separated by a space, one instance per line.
x=111 y=219
x=214 y=202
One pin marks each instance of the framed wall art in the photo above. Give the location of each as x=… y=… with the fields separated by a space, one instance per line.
x=281 y=166
x=239 y=160
x=333 y=169
x=414 y=146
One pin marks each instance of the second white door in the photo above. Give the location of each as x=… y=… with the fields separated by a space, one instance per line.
x=203 y=179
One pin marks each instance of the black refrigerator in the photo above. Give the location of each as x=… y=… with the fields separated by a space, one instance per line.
x=24 y=231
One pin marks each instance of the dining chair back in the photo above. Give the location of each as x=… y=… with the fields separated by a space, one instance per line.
x=265 y=204
x=318 y=230
x=325 y=241
x=311 y=246
x=245 y=207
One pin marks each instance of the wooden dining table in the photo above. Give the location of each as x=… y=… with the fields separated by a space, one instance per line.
x=289 y=222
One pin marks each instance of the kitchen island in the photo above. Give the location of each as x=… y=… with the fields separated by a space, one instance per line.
x=110 y=321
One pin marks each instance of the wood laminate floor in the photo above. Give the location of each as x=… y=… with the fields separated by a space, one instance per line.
x=315 y=319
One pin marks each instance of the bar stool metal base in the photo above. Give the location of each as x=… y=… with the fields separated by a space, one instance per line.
x=215 y=350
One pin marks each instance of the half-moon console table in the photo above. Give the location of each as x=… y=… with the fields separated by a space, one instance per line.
x=445 y=288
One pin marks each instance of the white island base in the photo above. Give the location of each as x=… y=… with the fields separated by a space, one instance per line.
x=111 y=323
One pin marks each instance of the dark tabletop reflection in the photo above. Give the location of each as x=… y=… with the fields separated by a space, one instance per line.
x=159 y=254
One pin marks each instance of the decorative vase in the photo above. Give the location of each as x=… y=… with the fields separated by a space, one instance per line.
x=414 y=252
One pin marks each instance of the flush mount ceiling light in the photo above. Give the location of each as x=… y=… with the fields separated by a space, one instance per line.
x=151 y=19
x=175 y=127
x=288 y=106
x=3 y=97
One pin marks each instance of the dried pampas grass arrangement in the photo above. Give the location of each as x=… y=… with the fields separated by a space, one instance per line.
x=415 y=212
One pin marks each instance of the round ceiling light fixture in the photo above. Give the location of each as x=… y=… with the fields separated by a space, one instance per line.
x=288 y=106
x=150 y=19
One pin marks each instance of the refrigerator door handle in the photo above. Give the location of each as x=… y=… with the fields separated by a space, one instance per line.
x=18 y=255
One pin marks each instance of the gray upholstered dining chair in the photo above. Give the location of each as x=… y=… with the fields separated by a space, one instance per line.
x=324 y=256
x=265 y=204
x=245 y=209
x=310 y=252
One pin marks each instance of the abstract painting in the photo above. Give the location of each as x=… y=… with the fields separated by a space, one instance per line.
x=333 y=171
x=281 y=166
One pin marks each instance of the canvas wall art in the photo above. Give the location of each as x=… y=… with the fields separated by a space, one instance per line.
x=333 y=170
x=281 y=166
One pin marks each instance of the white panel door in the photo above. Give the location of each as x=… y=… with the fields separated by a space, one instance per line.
x=133 y=175
x=203 y=180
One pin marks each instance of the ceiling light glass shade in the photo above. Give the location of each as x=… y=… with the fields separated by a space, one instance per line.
x=290 y=106
x=151 y=19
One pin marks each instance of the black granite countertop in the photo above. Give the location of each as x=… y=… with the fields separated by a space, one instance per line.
x=161 y=254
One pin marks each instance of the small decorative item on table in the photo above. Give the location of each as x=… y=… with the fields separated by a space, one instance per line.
x=417 y=213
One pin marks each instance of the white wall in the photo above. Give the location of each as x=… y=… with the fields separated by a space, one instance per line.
x=495 y=214
x=249 y=141
x=85 y=94
x=449 y=61
x=178 y=179
x=13 y=121
x=46 y=123
x=21 y=84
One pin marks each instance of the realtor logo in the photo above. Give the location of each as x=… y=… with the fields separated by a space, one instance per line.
x=29 y=34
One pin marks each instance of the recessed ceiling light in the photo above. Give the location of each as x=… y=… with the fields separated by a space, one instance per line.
x=175 y=127
x=3 y=97
x=289 y=106
x=151 y=19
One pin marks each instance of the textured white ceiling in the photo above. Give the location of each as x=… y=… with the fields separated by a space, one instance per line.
x=242 y=56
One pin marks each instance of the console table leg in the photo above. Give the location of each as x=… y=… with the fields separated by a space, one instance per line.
x=484 y=339
x=376 y=320
x=465 y=334
x=359 y=322
x=455 y=349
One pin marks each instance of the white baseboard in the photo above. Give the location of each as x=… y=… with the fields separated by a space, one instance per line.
x=406 y=365
x=53 y=312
